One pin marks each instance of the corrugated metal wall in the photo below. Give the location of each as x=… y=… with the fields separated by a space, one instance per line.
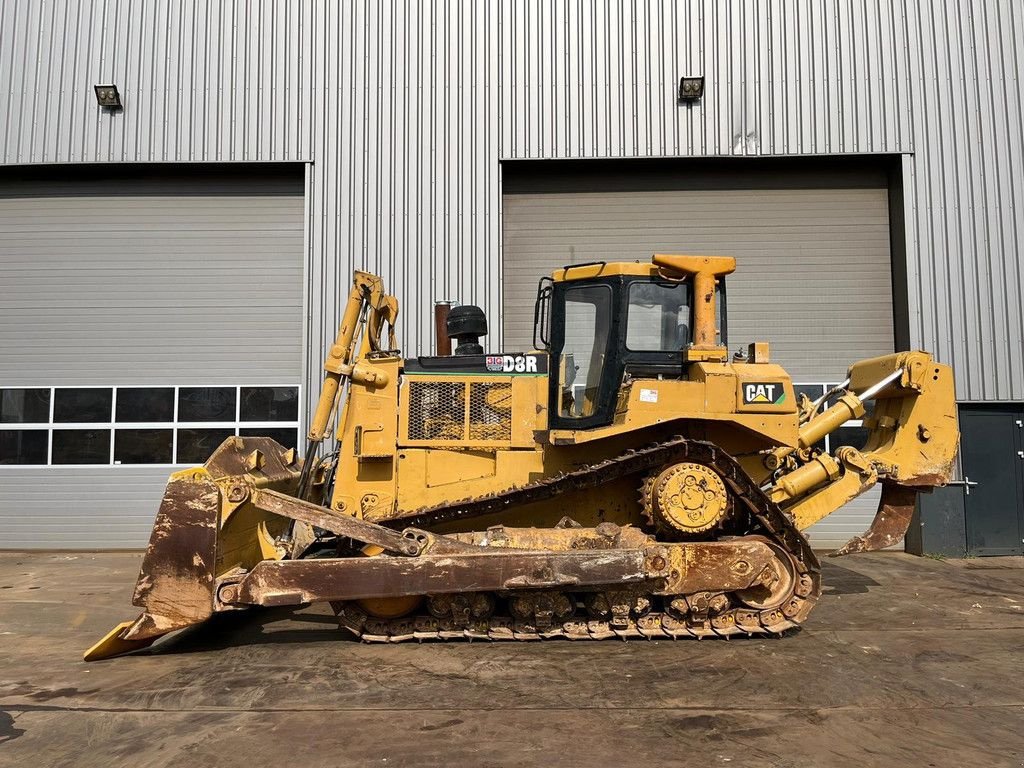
x=405 y=178
x=599 y=79
x=405 y=109
x=965 y=191
x=200 y=81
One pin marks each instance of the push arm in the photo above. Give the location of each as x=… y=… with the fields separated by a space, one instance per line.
x=367 y=296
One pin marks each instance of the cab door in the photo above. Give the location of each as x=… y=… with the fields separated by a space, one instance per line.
x=587 y=371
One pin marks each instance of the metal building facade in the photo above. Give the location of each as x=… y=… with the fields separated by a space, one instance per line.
x=405 y=110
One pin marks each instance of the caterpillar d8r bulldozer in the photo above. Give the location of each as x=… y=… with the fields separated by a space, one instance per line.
x=626 y=478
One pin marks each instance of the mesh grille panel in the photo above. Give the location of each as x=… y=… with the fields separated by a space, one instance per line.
x=490 y=411
x=437 y=410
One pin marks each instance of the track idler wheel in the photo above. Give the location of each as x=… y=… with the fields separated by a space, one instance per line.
x=777 y=583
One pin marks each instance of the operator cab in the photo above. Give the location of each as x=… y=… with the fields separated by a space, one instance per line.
x=602 y=322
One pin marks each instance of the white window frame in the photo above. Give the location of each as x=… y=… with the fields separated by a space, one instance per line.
x=112 y=426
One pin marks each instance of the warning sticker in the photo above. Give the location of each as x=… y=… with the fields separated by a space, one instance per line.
x=648 y=395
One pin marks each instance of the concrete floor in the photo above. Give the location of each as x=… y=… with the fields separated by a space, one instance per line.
x=905 y=661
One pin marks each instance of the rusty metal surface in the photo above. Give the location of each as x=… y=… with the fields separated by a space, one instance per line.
x=294 y=582
x=604 y=536
x=895 y=508
x=716 y=566
x=770 y=519
x=685 y=568
x=261 y=457
x=442 y=341
x=175 y=586
x=335 y=522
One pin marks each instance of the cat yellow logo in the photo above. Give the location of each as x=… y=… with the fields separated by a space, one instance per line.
x=773 y=394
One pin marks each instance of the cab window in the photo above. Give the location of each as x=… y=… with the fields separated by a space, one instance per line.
x=658 y=317
x=588 y=316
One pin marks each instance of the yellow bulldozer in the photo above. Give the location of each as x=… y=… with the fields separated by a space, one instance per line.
x=625 y=478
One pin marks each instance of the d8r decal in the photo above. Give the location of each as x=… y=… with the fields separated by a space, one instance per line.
x=512 y=363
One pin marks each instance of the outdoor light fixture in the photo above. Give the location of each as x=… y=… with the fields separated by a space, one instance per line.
x=108 y=97
x=691 y=88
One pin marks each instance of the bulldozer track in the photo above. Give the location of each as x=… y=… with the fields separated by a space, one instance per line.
x=767 y=520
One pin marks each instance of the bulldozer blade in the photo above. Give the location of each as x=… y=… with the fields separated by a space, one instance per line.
x=114 y=644
x=204 y=526
x=175 y=586
x=892 y=519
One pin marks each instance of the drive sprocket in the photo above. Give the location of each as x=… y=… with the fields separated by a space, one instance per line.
x=685 y=498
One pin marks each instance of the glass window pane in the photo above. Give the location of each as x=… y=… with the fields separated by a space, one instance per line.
x=145 y=404
x=82 y=405
x=25 y=406
x=23 y=446
x=289 y=438
x=143 y=446
x=206 y=404
x=196 y=445
x=659 y=317
x=270 y=404
x=81 y=446
x=587 y=325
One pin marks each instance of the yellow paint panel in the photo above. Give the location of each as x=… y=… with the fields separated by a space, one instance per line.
x=447 y=467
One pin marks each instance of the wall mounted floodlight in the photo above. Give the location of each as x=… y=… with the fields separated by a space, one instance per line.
x=108 y=97
x=691 y=88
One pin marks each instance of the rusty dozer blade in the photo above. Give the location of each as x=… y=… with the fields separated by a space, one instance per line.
x=202 y=528
x=175 y=585
x=895 y=508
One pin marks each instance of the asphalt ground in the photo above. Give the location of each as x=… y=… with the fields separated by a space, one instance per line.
x=905 y=661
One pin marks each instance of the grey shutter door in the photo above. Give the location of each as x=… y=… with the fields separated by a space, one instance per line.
x=157 y=281
x=813 y=272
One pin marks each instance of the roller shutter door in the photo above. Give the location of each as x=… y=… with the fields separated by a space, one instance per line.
x=131 y=307
x=813 y=275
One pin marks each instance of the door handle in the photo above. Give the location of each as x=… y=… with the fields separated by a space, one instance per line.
x=967 y=483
